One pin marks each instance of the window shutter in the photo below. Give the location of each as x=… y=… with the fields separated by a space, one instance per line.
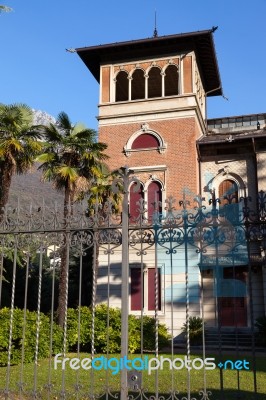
x=133 y=199
x=151 y=289
x=154 y=194
x=135 y=289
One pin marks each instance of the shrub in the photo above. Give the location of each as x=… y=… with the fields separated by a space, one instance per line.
x=30 y=336
x=114 y=332
x=195 y=329
x=149 y=328
x=83 y=334
x=85 y=328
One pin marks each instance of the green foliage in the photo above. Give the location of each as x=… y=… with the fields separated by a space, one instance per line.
x=107 y=337
x=113 y=344
x=84 y=328
x=102 y=191
x=20 y=139
x=33 y=279
x=195 y=329
x=71 y=156
x=29 y=340
x=260 y=324
x=149 y=327
x=47 y=281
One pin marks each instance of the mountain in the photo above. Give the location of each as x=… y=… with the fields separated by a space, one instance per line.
x=42 y=118
x=29 y=188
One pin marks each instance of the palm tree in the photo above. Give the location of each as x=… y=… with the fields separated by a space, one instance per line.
x=101 y=191
x=71 y=158
x=19 y=145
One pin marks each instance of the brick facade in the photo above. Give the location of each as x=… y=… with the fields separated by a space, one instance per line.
x=180 y=156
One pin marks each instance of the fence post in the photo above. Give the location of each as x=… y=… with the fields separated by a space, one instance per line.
x=124 y=285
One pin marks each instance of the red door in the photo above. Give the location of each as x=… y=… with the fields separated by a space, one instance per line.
x=233 y=310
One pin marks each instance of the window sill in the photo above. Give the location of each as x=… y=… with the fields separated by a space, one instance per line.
x=160 y=150
x=146 y=313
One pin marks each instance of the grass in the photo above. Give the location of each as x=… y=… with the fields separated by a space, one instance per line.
x=94 y=382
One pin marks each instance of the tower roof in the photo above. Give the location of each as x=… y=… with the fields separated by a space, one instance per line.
x=200 y=42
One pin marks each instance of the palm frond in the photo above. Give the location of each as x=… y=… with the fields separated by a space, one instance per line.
x=87 y=134
x=27 y=113
x=64 y=122
x=19 y=143
x=101 y=190
x=105 y=171
x=95 y=152
x=32 y=146
x=35 y=132
x=48 y=175
x=19 y=113
x=52 y=134
x=79 y=127
x=68 y=173
x=11 y=144
x=45 y=158
x=77 y=157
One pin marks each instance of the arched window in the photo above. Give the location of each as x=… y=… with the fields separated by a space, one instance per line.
x=145 y=141
x=171 y=81
x=228 y=192
x=134 y=197
x=154 y=195
x=155 y=83
x=138 y=85
x=121 y=93
x=228 y=195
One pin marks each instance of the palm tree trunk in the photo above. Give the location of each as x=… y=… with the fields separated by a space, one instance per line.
x=63 y=280
x=6 y=173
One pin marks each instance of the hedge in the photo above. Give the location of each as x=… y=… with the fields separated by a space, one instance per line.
x=102 y=341
x=30 y=336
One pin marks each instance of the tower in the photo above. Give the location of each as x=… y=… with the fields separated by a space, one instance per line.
x=152 y=106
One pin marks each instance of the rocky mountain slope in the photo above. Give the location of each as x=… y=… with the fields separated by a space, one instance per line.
x=29 y=188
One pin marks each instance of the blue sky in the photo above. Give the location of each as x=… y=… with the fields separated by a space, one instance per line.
x=37 y=70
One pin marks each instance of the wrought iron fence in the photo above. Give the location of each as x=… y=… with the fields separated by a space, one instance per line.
x=188 y=264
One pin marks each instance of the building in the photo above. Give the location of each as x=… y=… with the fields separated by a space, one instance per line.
x=152 y=115
x=232 y=159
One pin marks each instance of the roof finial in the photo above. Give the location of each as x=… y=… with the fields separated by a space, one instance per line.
x=155 y=32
